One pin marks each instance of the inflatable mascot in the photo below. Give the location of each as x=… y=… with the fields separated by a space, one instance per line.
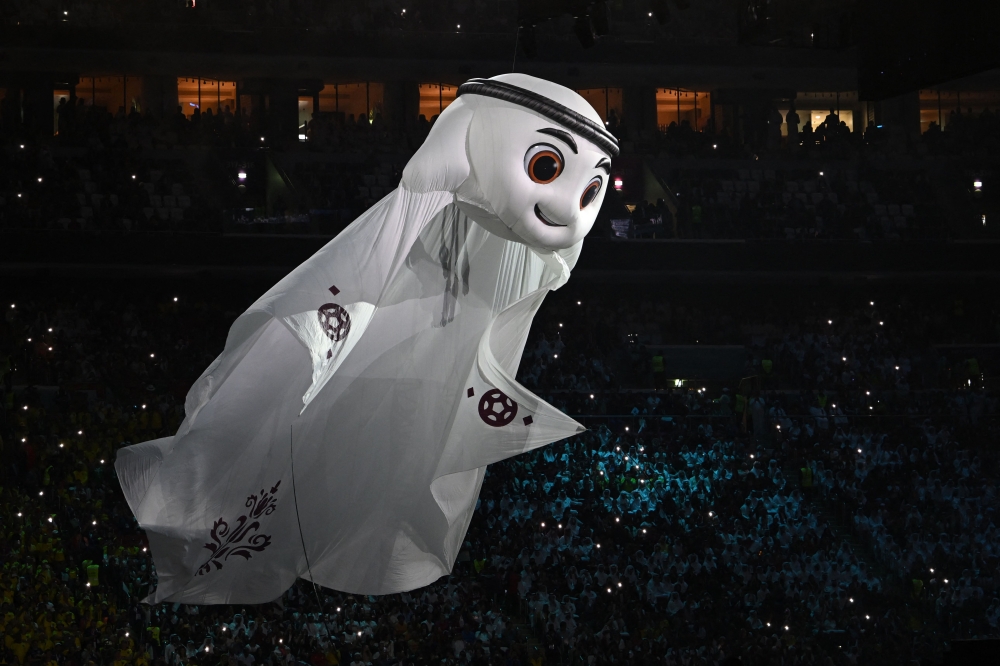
x=343 y=433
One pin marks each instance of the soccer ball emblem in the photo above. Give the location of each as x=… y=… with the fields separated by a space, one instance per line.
x=335 y=320
x=496 y=409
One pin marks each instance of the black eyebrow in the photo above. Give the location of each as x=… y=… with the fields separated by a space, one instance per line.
x=560 y=134
x=605 y=164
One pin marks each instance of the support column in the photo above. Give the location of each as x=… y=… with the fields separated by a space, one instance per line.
x=158 y=95
x=639 y=108
x=37 y=107
x=283 y=110
x=401 y=102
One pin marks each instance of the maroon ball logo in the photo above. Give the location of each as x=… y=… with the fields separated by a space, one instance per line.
x=335 y=320
x=496 y=409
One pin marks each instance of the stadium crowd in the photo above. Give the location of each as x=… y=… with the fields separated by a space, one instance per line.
x=821 y=513
x=879 y=184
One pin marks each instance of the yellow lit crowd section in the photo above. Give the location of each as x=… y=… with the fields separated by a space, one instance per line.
x=676 y=106
x=604 y=101
x=352 y=99
x=812 y=108
x=435 y=98
x=205 y=94
x=937 y=106
x=110 y=92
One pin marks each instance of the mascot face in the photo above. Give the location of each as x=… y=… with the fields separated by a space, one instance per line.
x=543 y=182
x=526 y=158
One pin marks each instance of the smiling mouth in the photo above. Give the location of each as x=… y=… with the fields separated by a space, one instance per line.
x=545 y=220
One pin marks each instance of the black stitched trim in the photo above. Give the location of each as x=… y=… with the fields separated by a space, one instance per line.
x=552 y=110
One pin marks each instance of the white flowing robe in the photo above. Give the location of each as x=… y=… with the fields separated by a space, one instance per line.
x=381 y=371
x=389 y=447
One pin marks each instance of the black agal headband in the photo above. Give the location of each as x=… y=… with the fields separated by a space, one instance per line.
x=552 y=110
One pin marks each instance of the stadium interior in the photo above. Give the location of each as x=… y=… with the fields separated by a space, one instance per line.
x=783 y=333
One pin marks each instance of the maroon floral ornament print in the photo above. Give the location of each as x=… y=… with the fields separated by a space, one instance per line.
x=241 y=539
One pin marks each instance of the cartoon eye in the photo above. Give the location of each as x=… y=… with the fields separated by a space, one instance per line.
x=543 y=163
x=591 y=191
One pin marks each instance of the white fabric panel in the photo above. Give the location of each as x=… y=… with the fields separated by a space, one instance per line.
x=382 y=371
